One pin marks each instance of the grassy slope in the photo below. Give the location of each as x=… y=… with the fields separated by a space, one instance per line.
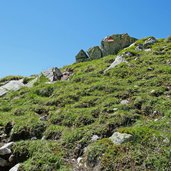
x=86 y=105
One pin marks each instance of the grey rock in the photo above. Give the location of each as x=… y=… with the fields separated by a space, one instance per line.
x=124 y=102
x=53 y=74
x=3 y=162
x=66 y=75
x=8 y=145
x=95 y=138
x=6 y=149
x=119 y=59
x=139 y=47
x=112 y=44
x=150 y=41
x=81 y=56
x=95 y=52
x=129 y=54
x=119 y=138
x=15 y=168
x=11 y=158
x=13 y=85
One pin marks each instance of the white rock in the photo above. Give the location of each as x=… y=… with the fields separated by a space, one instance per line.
x=119 y=59
x=15 y=168
x=95 y=138
x=8 y=145
x=118 y=138
x=6 y=149
x=124 y=102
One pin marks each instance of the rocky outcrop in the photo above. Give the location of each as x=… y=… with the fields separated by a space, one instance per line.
x=53 y=74
x=110 y=45
x=95 y=52
x=12 y=85
x=81 y=56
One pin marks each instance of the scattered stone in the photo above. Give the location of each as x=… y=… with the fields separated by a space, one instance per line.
x=8 y=145
x=124 y=102
x=44 y=118
x=34 y=138
x=129 y=54
x=5 y=149
x=150 y=69
x=95 y=52
x=81 y=56
x=147 y=50
x=119 y=138
x=150 y=41
x=53 y=74
x=43 y=138
x=79 y=159
x=15 y=168
x=119 y=59
x=66 y=75
x=115 y=109
x=95 y=138
x=11 y=158
x=166 y=140
x=139 y=47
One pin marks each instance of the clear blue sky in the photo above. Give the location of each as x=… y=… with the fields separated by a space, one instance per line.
x=38 y=34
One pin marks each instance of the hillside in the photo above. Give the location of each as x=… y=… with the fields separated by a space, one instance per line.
x=103 y=117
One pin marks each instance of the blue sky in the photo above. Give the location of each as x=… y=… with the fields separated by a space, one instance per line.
x=38 y=34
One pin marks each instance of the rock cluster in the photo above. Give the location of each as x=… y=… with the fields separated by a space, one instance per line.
x=6 y=158
x=110 y=45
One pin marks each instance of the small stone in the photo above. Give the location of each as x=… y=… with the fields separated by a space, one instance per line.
x=124 y=102
x=15 y=168
x=139 y=47
x=95 y=138
x=152 y=91
x=118 y=138
x=11 y=158
x=34 y=138
x=115 y=109
x=166 y=140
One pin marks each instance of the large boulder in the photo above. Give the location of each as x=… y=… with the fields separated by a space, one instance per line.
x=81 y=56
x=53 y=74
x=12 y=85
x=95 y=52
x=112 y=44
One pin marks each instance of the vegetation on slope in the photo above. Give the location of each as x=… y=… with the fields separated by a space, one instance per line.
x=88 y=104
